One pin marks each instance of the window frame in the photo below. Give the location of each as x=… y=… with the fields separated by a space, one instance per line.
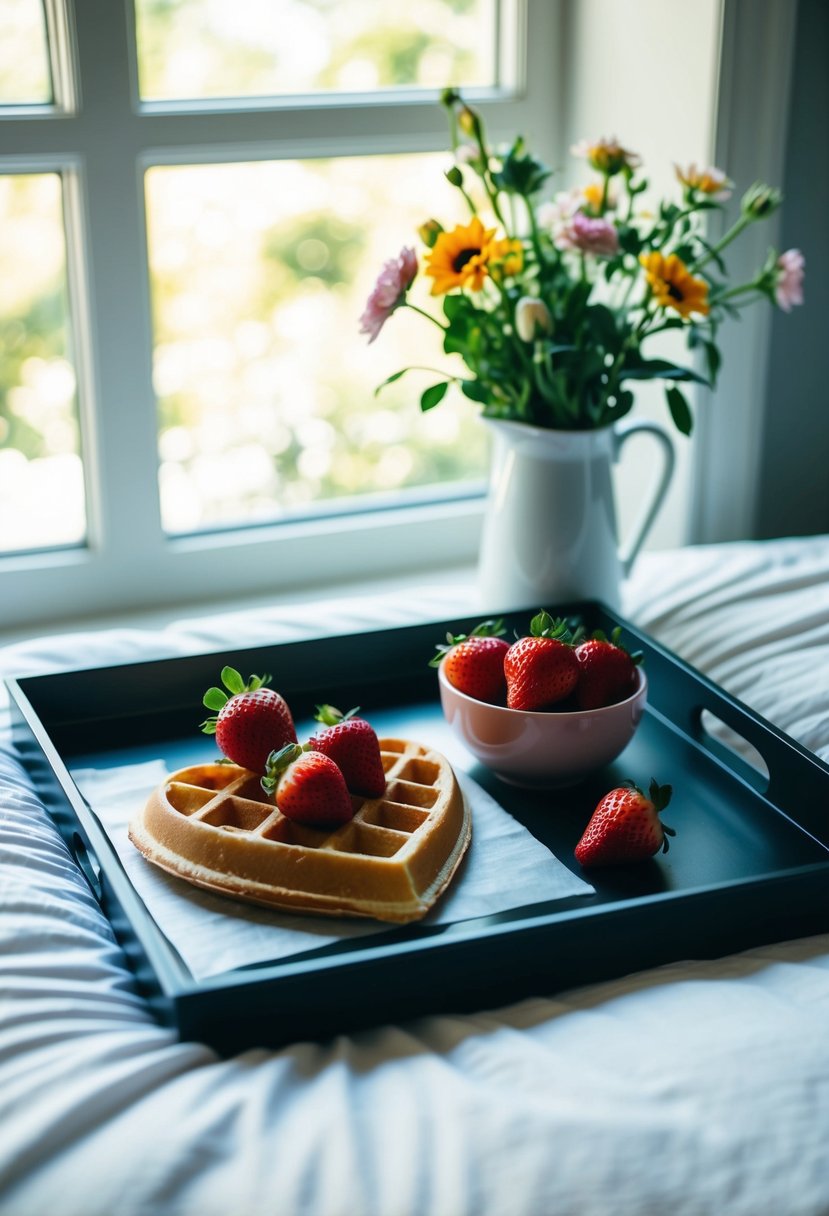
x=103 y=138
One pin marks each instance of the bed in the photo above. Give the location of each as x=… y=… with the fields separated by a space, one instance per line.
x=699 y=1087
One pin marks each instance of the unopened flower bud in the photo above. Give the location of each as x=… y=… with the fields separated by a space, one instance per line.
x=760 y=201
x=429 y=232
x=468 y=121
x=448 y=97
x=454 y=176
x=532 y=318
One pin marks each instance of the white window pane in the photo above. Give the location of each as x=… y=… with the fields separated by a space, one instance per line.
x=41 y=474
x=243 y=48
x=265 y=386
x=24 y=58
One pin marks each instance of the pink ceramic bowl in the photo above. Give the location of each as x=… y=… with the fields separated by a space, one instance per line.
x=542 y=749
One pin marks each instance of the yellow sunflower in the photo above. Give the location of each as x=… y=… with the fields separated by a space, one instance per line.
x=673 y=285
x=460 y=258
x=505 y=257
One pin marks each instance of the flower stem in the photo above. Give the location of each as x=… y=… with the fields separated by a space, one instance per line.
x=734 y=231
x=534 y=233
x=747 y=289
x=427 y=315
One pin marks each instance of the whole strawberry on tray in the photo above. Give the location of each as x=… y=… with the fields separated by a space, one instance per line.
x=625 y=826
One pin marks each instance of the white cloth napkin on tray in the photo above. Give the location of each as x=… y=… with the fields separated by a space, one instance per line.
x=505 y=868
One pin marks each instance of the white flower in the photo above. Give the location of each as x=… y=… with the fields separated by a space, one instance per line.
x=532 y=317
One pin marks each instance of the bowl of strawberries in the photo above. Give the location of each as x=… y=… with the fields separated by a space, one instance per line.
x=547 y=709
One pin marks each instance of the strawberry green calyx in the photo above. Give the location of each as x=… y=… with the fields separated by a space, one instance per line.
x=329 y=715
x=636 y=656
x=217 y=698
x=278 y=761
x=660 y=796
x=545 y=626
x=486 y=629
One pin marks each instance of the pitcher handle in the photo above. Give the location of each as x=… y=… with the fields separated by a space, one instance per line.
x=622 y=433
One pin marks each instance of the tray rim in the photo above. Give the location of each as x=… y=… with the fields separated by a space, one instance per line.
x=173 y=977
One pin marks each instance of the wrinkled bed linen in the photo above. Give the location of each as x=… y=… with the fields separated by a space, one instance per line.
x=698 y=1088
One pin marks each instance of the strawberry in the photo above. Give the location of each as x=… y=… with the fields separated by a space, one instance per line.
x=474 y=663
x=250 y=723
x=625 y=826
x=308 y=787
x=541 y=669
x=607 y=671
x=352 y=744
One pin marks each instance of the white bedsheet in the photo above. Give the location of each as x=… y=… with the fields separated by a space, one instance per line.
x=699 y=1088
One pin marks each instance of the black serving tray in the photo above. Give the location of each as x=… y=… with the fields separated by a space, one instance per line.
x=749 y=865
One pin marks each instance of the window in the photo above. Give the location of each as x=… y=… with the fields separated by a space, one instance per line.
x=24 y=54
x=188 y=409
x=41 y=475
x=209 y=48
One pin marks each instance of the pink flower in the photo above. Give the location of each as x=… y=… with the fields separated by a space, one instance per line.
x=389 y=292
x=788 y=290
x=552 y=216
x=589 y=234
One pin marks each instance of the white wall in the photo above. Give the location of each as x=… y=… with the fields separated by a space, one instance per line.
x=646 y=71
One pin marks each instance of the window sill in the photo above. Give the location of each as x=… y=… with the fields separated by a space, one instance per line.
x=427 y=590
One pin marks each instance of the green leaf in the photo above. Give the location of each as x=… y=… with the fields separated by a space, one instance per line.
x=214 y=698
x=660 y=369
x=680 y=410
x=579 y=295
x=629 y=240
x=475 y=391
x=714 y=360
x=685 y=253
x=391 y=379
x=520 y=173
x=433 y=396
x=455 y=344
x=602 y=324
x=209 y=727
x=232 y=680
x=455 y=307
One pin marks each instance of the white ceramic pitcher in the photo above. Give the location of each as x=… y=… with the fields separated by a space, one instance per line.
x=550 y=531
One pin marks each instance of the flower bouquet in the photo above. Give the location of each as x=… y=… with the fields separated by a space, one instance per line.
x=551 y=304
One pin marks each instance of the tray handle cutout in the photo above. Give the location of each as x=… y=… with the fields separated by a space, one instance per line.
x=789 y=777
x=730 y=745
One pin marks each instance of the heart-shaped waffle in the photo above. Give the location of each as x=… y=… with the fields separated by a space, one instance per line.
x=213 y=825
